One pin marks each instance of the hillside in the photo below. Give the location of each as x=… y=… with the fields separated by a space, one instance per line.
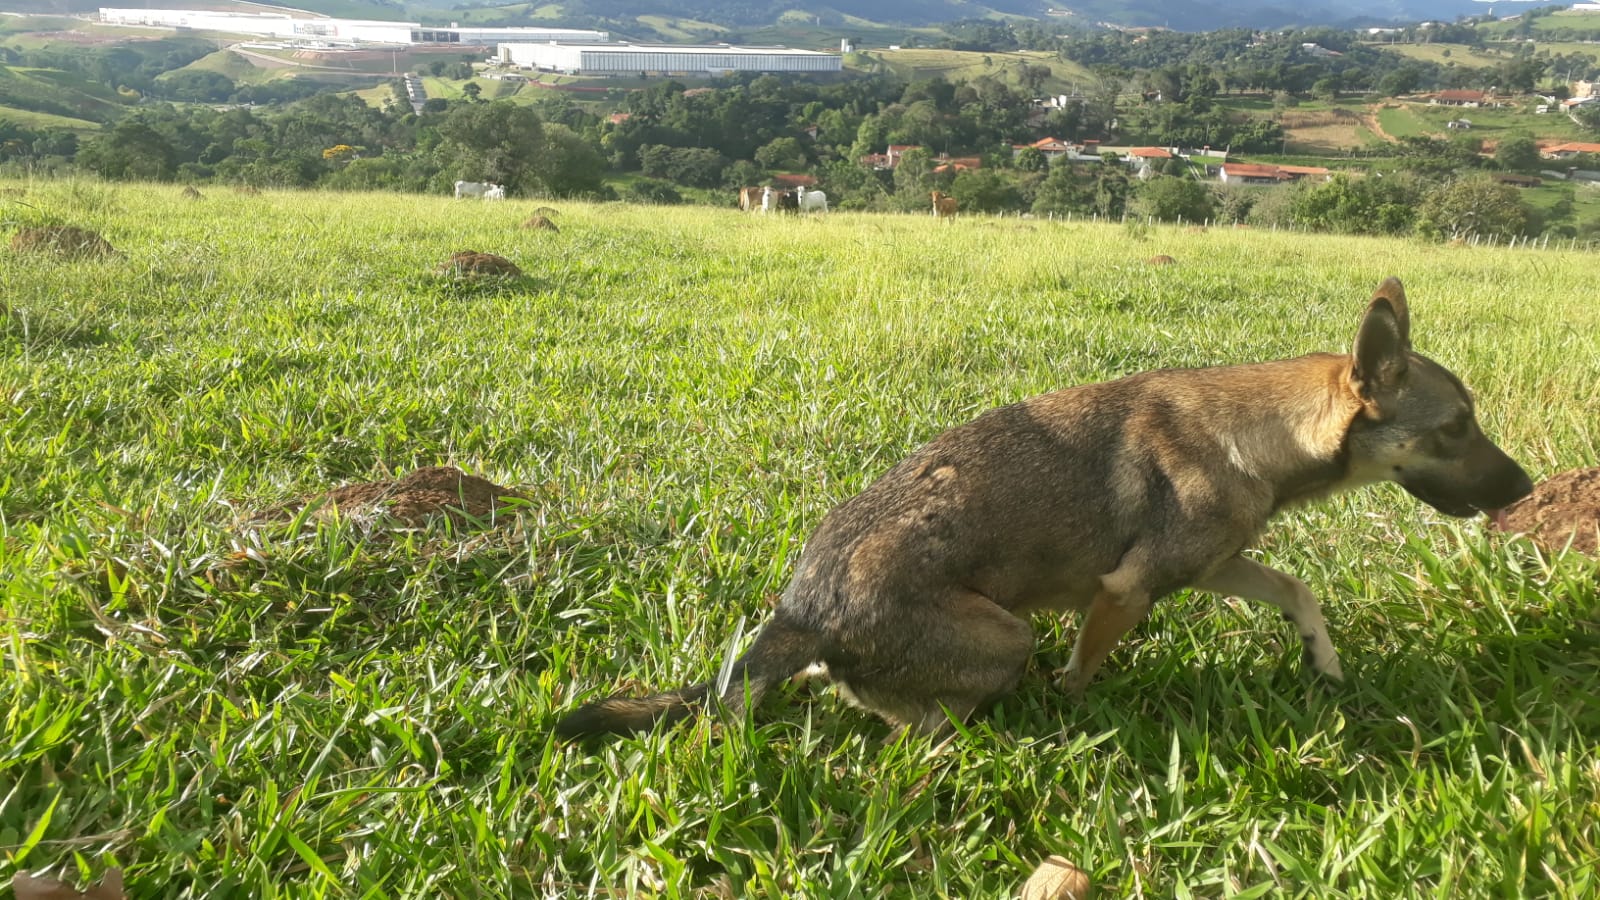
x=332 y=704
x=55 y=93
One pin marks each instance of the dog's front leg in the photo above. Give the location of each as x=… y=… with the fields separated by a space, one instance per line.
x=1241 y=577
x=1121 y=603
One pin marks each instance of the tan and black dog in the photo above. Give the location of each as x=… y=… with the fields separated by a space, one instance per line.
x=1102 y=498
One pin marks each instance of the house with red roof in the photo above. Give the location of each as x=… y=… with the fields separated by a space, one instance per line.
x=1570 y=149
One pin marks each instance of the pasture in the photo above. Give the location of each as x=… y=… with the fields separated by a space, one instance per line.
x=225 y=706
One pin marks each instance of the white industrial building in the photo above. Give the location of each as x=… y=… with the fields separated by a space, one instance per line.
x=673 y=59
x=328 y=30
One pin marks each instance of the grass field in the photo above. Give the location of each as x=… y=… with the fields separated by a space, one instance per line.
x=223 y=708
x=964 y=65
x=27 y=118
x=1448 y=54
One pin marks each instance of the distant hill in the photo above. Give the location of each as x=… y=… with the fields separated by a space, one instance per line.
x=645 y=17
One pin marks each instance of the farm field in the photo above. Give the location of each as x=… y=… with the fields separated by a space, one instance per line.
x=1449 y=54
x=223 y=703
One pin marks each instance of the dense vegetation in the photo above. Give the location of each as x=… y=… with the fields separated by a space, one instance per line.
x=167 y=120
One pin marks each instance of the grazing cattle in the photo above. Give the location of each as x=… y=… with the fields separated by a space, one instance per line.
x=943 y=207
x=495 y=193
x=778 y=201
x=475 y=188
x=750 y=199
x=807 y=201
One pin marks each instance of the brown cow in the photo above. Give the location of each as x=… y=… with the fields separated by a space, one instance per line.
x=944 y=207
x=749 y=199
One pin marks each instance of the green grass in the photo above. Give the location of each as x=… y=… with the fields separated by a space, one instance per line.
x=238 y=69
x=1401 y=121
x=27 y=118
x=230 y=709
x=1555 y=28
x=1447 y=54
x=964 y=65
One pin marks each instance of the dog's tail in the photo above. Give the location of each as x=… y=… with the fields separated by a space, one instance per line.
x=780 y=650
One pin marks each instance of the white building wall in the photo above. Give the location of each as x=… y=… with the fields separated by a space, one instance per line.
x=619 y=59
x=507 y=35
x=278 y=25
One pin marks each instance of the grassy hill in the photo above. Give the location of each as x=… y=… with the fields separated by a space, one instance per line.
x=56 y=93
x=961 y=65
x=274 y=708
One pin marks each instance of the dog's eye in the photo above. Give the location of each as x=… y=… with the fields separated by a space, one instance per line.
x=1457 y=427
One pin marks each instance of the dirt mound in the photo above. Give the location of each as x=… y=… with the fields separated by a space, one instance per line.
x=13 y=193
x=190 y=192
x=547 y=211
x=471 y=262
x=1563 y=508
x=1162 y=260
x=65 y=241
x=413 y=500
x=247 y=190
x=541 y=222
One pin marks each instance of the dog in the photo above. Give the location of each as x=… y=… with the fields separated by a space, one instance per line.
x=914 y=595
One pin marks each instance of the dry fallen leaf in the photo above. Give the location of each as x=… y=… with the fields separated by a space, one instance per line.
x=30 y=887
x=1056 y=879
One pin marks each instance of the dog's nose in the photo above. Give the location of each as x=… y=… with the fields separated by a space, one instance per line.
x=1512 y=485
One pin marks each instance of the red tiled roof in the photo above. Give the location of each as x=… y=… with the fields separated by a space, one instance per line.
x=1150 y=153
x=1302 y=170
x=795 y=180
x=1251 y=170
x=1461 y=95
x=1574 y=147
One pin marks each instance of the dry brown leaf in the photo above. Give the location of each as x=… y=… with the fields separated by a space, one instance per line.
x=32 y=887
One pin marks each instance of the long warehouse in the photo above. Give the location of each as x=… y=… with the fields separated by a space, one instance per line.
x=307 y=27
x=666 y=59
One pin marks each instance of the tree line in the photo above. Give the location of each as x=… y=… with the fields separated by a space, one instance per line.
x=671 y=142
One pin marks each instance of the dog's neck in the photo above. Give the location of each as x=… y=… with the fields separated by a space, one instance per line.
x=1289 y=429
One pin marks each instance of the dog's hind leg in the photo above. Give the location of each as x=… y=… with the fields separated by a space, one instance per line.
x=1241 y=577
x=946 y=660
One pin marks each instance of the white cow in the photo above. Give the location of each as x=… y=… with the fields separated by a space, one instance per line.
x=777 y=201
x=496 y=192
x=811 y=200
x=476 y=189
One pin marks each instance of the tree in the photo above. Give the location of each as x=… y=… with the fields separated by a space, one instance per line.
x=1517 y=154
x=497 y=142
x=1400 y=81
x=1588 y=115
x=567 y=164
x=1031 y=159
x=131 y=150
x=471 y=91
x=1473 y=205
x=1377 y=205
x=1167 y=198
x=985 y=190
x=782 y=154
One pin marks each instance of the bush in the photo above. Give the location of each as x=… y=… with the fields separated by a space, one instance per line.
x=1473 y=205
x=649 y=190
x=1169 y=199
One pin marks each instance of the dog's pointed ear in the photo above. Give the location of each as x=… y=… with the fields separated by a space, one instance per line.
x=1381 y=343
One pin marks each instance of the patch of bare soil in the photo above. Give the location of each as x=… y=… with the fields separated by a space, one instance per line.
x=412 y=501
x=1563 y=508
x=65 y=241
x=471 y=262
